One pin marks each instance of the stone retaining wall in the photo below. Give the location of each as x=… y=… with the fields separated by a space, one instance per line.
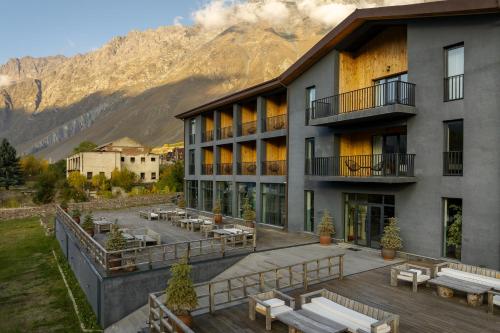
x=101 y=204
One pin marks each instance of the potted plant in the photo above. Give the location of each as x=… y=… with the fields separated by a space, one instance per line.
x=181 y=203
x=391 y=241
x=88 y=224
x=455 y=231
x=64 y=205
x=248 y=213
x=76 y=215
x=217 y=212
x=181 y=296
x=115 y=242
x=326 y=229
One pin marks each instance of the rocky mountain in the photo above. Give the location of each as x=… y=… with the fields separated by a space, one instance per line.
x=135 y=84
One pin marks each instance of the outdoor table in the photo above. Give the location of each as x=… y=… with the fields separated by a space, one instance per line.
x=163 y=214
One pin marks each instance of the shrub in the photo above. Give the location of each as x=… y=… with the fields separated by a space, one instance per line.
x=138 y=190
x=181 y=203
x=84 y=146
x=76 y=213
x=172 y=176
x=248 y=211
x=124 y=179
x=115 y=241
x=391 y=239
x=217 y=207
x=181 y=296
x=455 y=228
x=45 y=188
x=11 y=203
x=88 y=222
x=77 y=180
x=64 y=205
x=31 y=166
x=105 y=194
x=325 y=228
x=101 y=183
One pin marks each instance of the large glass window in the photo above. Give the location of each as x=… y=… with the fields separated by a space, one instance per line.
x=454 y=79
x=454 y=145
x=309 y=211
x=245 y=190
x=273 y=209
x=310 y=97
x=191 y=162
x=452 y=240
x=225 y=195
x=192 y=194
x=207 y=192
x=192 y=130
x=309 y=155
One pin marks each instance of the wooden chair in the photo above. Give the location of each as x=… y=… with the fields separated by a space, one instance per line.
x=269 y=304
x=410 y=273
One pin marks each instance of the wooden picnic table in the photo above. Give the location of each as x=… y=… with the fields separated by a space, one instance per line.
x=475 y=291
x=308 y=322
x=102 y=225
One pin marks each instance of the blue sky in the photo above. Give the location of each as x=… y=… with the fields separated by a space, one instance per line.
x=49 y=27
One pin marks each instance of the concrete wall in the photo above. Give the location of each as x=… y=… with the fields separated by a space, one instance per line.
x=150 y=165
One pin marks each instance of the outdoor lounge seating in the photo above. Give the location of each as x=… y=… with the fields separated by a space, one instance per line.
x=149 y=215
x=410 y=273
x=472 y=280
x=493 y=300
x=269 y=304
x=145 y=236
x=356 y=316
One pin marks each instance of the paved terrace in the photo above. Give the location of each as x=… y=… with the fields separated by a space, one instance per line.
x=421 y=312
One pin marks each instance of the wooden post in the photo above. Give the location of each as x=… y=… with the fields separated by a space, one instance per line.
x=290 y=276
x=175 y=251
x=150 y=258
x=261 y=282
x=277 y=279
x=245 y=286
x=223 y=245
x=317 y=269
x=229 y=290
x=211 y=299
x=341 y=267
x=304 y=279
x=329 y=266
x=188 y=254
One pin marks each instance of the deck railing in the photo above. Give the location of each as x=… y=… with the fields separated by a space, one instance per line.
x=275 y=123
x=130 y=259
x=207 y=136
x=225 y=169
x=378 y=165
x=192 y=139
x=207 y=169
x=395 y=92
x=453 y=88
x=453 y=163
x=274 y=168
x=247 y=168
x=217 y=294
x=225 y=132
x=161 y=319
x=247 y=128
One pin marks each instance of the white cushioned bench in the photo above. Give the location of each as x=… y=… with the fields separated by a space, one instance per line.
x=471 y=277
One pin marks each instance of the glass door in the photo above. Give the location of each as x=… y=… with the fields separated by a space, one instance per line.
x=376 y=226
x=309 y=211
x=362 y=223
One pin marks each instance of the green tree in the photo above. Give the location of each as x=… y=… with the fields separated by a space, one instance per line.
x=45 y=187
x=77 y=180
x=101 y=183
x=59 y=168
x=33 y=166
x=181 y=295
x=10 y=170
x=84 y=146
x=172 y=176
x=124 y=179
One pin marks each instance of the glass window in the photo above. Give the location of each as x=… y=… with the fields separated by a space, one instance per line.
x=191 y=162
x=310 y=96
x=153 y=159
x=132 y=159
x=309 y=211
x=89 y=175
x=143 y=160
x=273 y=204
x=153 y=175
x=207 y=193
x=192 y=126
x=122 y=159
x=192 y=194
x=452 y=240
x=225 y=195
x=143 y=176
x=309 y=155
x=245 y=190
x=453 y=146
x=454 y=76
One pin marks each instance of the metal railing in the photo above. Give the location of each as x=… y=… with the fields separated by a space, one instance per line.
x=379 y=165
x=192 y=139
x=225 y=132
x=247 y=168
x=275 y=123
x=247 y=128
x=453 y=163
x=218 y=294
x=134 y=258
x=207 y=136
x=395 y=92
x=207 y=169
x=224 y=168
x=453 y=88
x=161 y=319
x=274 y=168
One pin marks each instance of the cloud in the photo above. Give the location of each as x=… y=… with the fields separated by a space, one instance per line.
x=327 y=13
x=177 y=20
x=5 y=80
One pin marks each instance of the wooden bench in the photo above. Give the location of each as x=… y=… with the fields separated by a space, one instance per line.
x=308 y=322
x=356 y=316
x=410 y=273
x=493 y=300
x=447 y=284
x=269 y=304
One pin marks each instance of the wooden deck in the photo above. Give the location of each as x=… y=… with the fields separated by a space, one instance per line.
x=420 y=312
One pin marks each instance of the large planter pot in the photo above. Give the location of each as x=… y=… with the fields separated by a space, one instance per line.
x=77 y=219
x=325 y=240
x=117 y=263
x=388 y=254
x=217 y=218
x=458 y=252
x=186 y=319
x=90 y=231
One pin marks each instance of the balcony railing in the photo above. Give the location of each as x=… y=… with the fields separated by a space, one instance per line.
x=247 y=168
x=207 y=169
x=225 y=132
x=275 y=123
x=224 y=168
x=191 y=169
x=192 y=139
x=395 y=92
x=207 y=136
x=247 y=128
x=274 y=168
x=453 y=88
x=453 y=163
x=380 y=165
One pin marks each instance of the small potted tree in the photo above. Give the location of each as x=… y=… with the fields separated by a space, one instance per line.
x=248 y=213
x=115 y=242
x=64 y=205
x=88 y=224
x=181 y=203
x=76 y=215
x=217 y=212
x=326 y=229
x=391 y=241
x=181 y=296
x=455 y=232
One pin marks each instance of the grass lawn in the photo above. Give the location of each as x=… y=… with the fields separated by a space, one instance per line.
x=33 y=297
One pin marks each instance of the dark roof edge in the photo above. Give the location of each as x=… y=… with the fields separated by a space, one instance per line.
x=232 y=97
